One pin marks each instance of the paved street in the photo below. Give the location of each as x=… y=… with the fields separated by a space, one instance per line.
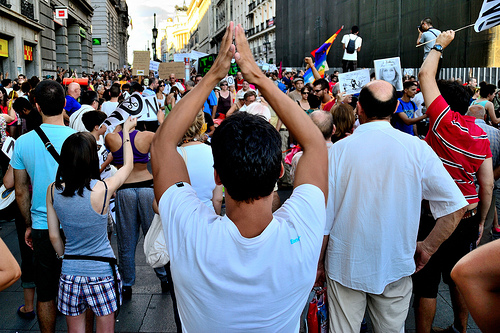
x=149 y=310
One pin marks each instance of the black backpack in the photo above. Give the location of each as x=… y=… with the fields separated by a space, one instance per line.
x=351 y=46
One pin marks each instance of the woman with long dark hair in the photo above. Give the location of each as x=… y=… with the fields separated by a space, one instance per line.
x=79 y=201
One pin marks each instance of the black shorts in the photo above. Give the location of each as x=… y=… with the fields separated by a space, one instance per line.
x=462 y=241
x=47 y=266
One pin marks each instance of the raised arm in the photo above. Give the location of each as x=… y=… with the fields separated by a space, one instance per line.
x=427 y=74
x=122 y=174
x=315 y=72
x=168 y=166
x=313 y=165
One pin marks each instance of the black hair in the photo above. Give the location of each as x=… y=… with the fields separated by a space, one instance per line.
x=457 y=96
x=125 y=86
x=88 y=97
x=114 y=91
x=92 y=119
x=25 y=87
x=78 y=164
x=486 y=89
x=427 y=20
x=34 y=81
x=20 y=104
x=324 y=84
x=247 y=156
x=6 y=82
x=152 y=80
x=249 y=93
x=375 y=108
x=409 y=84
x=135 y=86
x=313 y=100
x=354 y=29
x=5 y=97
x=50 y=96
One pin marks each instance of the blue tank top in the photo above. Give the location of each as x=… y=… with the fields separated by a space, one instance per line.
x=86 y=234
x=138 y=156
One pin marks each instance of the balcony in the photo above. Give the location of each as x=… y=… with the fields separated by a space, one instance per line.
x=5 y=3
x=251 y=6
x=27 y=9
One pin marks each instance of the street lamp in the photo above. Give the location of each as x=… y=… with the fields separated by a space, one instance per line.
x=266 y=44
x=155 y=34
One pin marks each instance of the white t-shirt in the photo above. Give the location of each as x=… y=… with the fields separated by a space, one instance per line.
x=378 y=177
x=225 y=282
x=108 y=107
x=200 y=165
x=419 y=102
x=75 y=120
x=357 y=44
x=240 y=94
x=103 y=153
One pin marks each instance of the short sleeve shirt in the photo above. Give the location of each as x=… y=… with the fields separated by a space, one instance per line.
x=461 y=145
x=357 y=44
x=408 y=109
x=30 y=155
x=72 y=105
x=427 y=36
x=217 y=270
x=210 y=103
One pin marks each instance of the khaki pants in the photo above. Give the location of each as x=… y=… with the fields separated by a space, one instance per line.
x=388 y=311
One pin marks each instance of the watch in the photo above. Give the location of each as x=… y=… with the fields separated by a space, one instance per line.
x=438 y=48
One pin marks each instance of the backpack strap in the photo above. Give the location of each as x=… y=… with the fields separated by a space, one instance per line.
x=432 y=32
x=47 y=143
x=414 y=106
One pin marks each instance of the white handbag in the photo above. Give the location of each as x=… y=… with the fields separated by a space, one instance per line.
x=155 y=247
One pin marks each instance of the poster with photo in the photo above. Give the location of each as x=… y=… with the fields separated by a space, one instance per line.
x=352 y=82
x=389 y=70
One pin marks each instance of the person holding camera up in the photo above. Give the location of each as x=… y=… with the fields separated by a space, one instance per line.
x=352 y=45
x=428 y=34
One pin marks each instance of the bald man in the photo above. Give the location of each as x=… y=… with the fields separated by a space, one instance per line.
x=72 y=104
x=378 y=177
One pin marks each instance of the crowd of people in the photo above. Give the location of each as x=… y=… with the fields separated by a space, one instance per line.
x=391 y=189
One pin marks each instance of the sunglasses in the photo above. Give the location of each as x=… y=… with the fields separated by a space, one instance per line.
x=224 y=84
x=317 y=91
x=305 y=93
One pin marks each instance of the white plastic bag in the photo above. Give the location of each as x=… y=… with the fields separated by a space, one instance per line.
x=155 y=247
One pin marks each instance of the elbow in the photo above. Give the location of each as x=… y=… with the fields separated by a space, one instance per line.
x=423 y=74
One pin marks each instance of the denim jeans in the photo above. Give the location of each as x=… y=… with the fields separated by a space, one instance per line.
x=133 y=210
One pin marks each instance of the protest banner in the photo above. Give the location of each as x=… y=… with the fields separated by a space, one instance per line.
x=489 y=16
x=167 y=68
x=352 y=82
x=8 y=146
x=144 y=108
x=141 y=63
x=205 y=63
x=389 y=70
x=153 y=65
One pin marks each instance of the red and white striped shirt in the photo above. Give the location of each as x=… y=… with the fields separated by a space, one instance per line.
x=461 y=145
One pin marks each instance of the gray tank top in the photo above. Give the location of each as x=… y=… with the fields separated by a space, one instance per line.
x=86 y=234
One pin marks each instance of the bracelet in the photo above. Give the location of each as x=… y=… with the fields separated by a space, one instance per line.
x=128 y=140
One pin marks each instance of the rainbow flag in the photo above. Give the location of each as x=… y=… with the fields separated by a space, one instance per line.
x=320 y=58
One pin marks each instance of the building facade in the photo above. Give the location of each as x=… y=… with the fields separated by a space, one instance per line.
x=261 y=16
x=34 y=42
x=109 y=34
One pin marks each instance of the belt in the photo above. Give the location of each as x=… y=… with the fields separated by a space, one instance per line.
x=470 y=213
x=283 y=130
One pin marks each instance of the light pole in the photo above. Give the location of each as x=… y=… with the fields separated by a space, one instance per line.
x=155 y=34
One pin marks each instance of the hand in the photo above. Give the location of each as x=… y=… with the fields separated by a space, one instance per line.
x=129 y=124
x=221 y=65
x=244 y=58
x=27 y=238
x=444 y=39
x=481 y=229
x=320 y=276
x=421 y=257
x=309 y=61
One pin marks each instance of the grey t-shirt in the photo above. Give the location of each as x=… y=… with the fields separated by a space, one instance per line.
x=430 y=34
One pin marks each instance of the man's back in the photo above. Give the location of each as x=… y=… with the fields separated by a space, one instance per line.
x=30 y=155
x=226 y=282
x=378 y=177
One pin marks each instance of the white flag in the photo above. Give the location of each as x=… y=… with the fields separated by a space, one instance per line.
x=136 y=105
x=489 y=16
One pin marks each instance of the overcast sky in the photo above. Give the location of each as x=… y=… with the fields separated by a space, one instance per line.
x=142 y=13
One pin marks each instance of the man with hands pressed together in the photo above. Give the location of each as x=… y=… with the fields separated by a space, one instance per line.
x=249 y=270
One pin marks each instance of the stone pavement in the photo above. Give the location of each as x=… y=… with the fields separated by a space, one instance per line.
x=149 y=310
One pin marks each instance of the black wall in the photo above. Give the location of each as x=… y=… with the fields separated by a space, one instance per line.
x=388 y=29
